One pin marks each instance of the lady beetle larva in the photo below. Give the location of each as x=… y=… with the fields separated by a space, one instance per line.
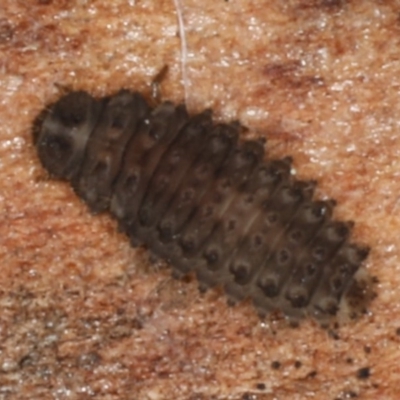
x=207 y=202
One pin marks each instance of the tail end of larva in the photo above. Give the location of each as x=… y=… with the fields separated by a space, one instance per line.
x=358 y=297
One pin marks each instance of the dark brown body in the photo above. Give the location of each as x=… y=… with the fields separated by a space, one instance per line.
x=205 y=201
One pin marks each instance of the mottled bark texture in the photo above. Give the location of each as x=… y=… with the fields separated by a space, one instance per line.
x=83 y=314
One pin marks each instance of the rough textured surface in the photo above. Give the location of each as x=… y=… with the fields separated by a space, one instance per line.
x=83 y=314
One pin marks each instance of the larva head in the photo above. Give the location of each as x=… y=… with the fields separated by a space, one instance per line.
x=61 y=133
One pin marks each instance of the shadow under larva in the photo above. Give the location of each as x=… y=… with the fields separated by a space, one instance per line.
x=208 y=202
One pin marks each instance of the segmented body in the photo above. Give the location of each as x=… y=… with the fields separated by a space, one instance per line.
x=204 y=200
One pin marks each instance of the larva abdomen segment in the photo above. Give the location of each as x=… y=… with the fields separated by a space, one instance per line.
x=203 y=200
x=144 y=151
x=171 y=170
x=106 y=146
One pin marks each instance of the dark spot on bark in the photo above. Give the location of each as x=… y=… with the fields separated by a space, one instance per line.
x=367 y=349
x=261 y=386
x=297 y=364
x=312 y=374
x=275 y=365
x=363 y=373
x=334 y=334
